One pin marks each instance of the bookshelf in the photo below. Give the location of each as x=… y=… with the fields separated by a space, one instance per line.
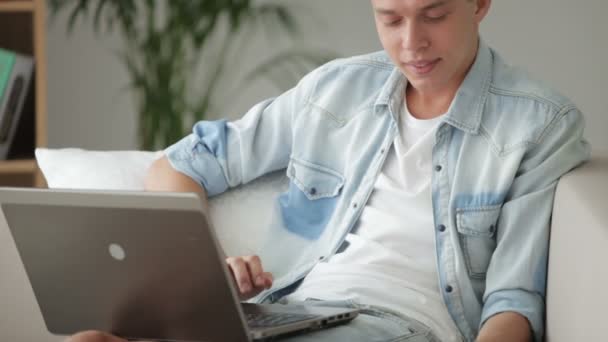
x=23 y=29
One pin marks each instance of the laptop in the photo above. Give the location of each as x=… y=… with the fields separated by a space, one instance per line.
x=140 y=265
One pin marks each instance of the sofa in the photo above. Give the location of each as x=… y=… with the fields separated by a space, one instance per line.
x=578 y=246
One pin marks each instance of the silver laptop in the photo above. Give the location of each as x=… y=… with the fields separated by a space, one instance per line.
x=141 y=266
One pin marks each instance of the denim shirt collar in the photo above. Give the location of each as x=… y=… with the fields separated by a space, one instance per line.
x=466 y=109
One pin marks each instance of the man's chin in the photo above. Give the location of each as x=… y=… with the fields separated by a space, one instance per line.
x=421 y=85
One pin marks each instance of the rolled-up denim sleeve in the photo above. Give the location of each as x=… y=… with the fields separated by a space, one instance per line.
x=516 y=277
x=221 y=154
x=202 y=155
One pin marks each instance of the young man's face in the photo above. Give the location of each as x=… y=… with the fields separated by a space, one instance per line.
x=433 y=42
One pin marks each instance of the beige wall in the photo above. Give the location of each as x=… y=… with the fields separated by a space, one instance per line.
x=560 y=41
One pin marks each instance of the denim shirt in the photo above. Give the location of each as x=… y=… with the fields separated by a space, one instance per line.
x=505 y=141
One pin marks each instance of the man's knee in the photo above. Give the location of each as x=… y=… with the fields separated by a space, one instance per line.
x=93 y=336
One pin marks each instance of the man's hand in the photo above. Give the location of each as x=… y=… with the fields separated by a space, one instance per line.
x=506 y=326
x=249 y=276
x=94 y=336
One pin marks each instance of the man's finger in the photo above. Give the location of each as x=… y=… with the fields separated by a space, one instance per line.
x=254 y=265
x=241 y=274
x=268 y=279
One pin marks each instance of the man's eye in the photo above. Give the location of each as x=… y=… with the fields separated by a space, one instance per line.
x=394 y=22
x=435 y=18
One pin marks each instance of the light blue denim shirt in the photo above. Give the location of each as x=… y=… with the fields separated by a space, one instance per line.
x=505 y=141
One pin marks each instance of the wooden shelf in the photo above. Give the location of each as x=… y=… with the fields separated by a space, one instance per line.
x=24 y=166
x=16 y=6
x=23 y=30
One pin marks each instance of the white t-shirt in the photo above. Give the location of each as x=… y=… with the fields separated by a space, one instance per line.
x=393 y=243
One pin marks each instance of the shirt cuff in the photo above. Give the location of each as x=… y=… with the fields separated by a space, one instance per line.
x=198 y=164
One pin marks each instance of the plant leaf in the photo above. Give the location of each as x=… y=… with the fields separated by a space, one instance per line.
x=80 y=9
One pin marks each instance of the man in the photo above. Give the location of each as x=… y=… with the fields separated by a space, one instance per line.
x=421 y=183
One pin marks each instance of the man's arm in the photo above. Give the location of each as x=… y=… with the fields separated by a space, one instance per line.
x=505 y=326
x=247 y=271
x=516 y=276
x=161 y=176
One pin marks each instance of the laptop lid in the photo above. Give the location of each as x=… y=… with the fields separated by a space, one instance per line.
x=131 y=263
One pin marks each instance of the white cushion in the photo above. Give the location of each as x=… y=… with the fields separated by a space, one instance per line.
x=74 y=168
x=240 y=216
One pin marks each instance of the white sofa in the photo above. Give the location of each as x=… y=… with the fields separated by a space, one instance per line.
x=579 y=239
x=576 y=297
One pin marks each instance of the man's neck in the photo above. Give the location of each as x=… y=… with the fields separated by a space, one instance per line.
x=427 y=105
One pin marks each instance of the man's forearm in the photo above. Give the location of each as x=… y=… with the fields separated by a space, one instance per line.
x=162 y=177
x=505 y=326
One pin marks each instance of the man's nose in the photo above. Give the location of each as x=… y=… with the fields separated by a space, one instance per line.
x=414 y=37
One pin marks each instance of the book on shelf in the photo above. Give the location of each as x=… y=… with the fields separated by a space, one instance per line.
x=15 y=76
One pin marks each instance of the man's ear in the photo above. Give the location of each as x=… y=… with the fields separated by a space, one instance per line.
x=481 y=9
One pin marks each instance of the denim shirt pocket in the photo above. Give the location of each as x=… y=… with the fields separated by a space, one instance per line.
x=313 y=180
x=311 y=199
x=477 y=233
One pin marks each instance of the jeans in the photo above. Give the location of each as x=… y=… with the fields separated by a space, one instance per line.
x=373 y=324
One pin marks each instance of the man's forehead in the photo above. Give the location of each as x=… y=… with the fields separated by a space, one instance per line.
x=391 y=6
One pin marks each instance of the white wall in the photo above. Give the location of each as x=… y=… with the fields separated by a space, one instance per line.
x=560 y=41
x=89 y=108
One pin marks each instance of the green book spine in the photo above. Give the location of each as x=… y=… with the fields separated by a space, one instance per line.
x=7 y=61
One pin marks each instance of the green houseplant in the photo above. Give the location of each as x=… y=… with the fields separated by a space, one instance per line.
x=165 y=40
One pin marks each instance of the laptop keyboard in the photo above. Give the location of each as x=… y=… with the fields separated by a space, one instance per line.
x=264 y=320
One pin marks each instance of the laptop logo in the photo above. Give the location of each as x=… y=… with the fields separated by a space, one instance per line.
x=117 y=252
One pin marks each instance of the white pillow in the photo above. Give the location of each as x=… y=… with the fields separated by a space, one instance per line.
x=74 y=168
x=240 y=216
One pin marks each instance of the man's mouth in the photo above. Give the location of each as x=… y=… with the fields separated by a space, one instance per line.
x=422 y=67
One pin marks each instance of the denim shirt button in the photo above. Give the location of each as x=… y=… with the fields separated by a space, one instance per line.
x=441 y=228
x=313 y=191
x=438 y=168
x=448 y=289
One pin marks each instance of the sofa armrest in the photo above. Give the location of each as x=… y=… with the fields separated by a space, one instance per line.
x=577 y=276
